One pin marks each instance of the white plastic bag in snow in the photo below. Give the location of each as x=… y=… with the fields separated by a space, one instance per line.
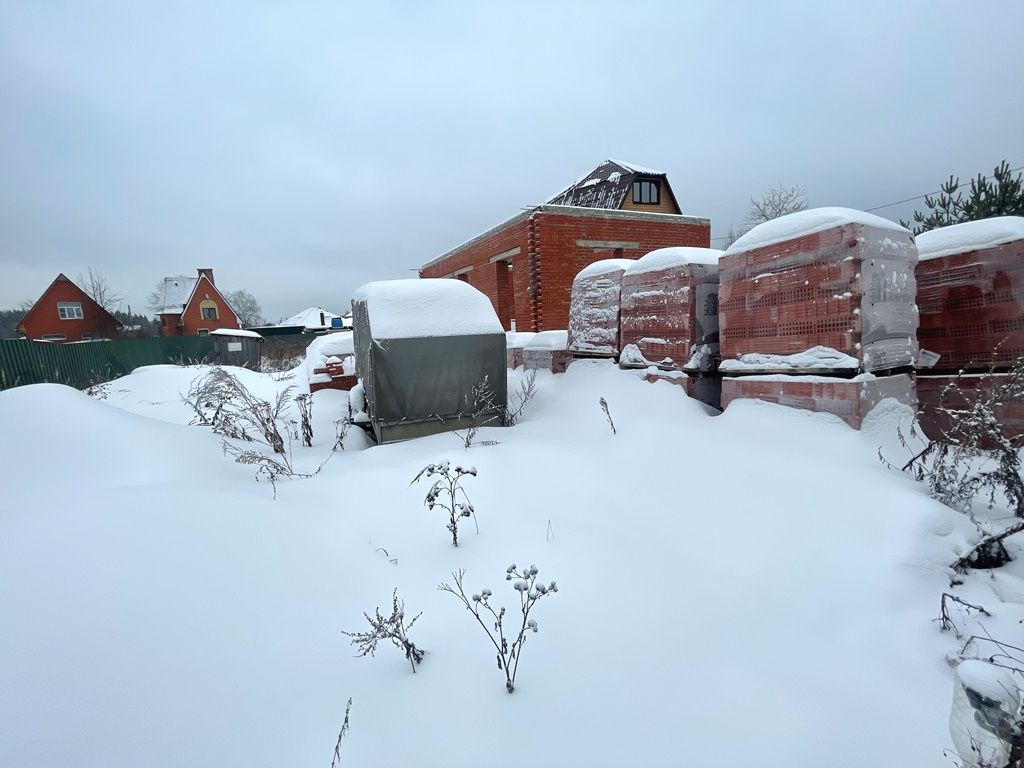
x=986 y=700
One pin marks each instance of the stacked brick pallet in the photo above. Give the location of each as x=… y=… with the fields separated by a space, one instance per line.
x=515 y=342
x=827 y=293
x=669 y=318
x=334 y=374
x=546 y=351
x=594 y=309
x=971 y=297
x=669 y=305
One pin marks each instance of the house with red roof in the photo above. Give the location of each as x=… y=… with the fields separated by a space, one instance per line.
x=193 y=306
x=66 y=313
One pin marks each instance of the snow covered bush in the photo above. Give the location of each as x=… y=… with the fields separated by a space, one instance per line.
x=530 y=592
x=449 y=484
x=975 y=456
x=393 y=628
x=221 y=401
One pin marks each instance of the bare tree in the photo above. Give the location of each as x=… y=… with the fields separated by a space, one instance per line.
x=249 y=311
x=96 y=285
x=777 y=201
x=155 y=300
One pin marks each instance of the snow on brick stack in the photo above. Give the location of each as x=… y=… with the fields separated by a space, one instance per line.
x=514 y=343
x=546 y=351
x=829 y=293
x=329 y=362
x=594 y=309
x=971 y=296
x=669 y=305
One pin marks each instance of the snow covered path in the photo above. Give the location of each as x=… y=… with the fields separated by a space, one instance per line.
x=749 y=589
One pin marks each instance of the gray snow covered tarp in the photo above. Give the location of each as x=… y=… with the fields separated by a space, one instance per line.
x=421 y=348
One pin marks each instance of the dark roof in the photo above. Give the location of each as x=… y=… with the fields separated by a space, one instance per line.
x=604 y=187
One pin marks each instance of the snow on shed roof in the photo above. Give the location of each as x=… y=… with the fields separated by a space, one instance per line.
x=310 y=318
x=969 y=236
x=175 y=292
x=236 y=332
x=807 y=223
x=678 y=256
x=604 y=266
x=415 y=308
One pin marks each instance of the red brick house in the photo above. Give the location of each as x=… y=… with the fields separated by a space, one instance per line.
x=67 y=313
x=526 y=264
x=192 y=306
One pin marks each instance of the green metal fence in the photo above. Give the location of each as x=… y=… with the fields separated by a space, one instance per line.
x=81 y=365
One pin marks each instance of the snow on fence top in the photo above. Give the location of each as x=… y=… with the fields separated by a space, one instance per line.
x=236 y=332
x=554 y=340
x=807 y=223
x=969 y=236
x=604 y=266
x=416 y=308
x=679 y=256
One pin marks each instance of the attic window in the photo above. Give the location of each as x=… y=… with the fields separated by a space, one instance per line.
x=69 y=310
x=209 y=309
x=645 y=192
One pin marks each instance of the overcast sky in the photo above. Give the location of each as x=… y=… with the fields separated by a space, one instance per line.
x=301 y=149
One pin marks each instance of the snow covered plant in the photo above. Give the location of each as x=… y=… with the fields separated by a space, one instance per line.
x=607 y=414
x=523 y=395
x=305 y=406
x=391 y=628
x=974 y=456
x=482 y=410
x=444 y=493
x=279 y=466
x=509 y=647
x=221 y=401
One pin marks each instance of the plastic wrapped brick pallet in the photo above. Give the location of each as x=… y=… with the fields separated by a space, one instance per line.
x=849 y=399
x=594 y=309
x=970 y=292
x=669 y=306
x=828 y=277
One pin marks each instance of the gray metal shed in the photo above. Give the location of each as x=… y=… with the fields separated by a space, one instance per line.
x=421 y=348
x=233 y=346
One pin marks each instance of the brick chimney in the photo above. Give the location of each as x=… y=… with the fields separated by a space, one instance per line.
x=208 y=271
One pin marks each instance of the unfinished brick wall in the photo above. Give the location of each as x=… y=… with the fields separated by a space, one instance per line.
x=547 y=246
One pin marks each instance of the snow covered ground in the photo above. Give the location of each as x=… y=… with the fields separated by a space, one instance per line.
x=748 y=589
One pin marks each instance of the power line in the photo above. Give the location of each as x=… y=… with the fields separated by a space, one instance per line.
x=901 y=202
x=928 y=194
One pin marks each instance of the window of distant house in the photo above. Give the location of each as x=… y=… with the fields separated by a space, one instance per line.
x=209 y=309
x=645 y=192
x=203 y=332
x=54 y=336
x=69 y=310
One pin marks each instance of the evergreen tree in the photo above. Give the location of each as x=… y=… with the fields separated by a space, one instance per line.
x=1001 y=194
